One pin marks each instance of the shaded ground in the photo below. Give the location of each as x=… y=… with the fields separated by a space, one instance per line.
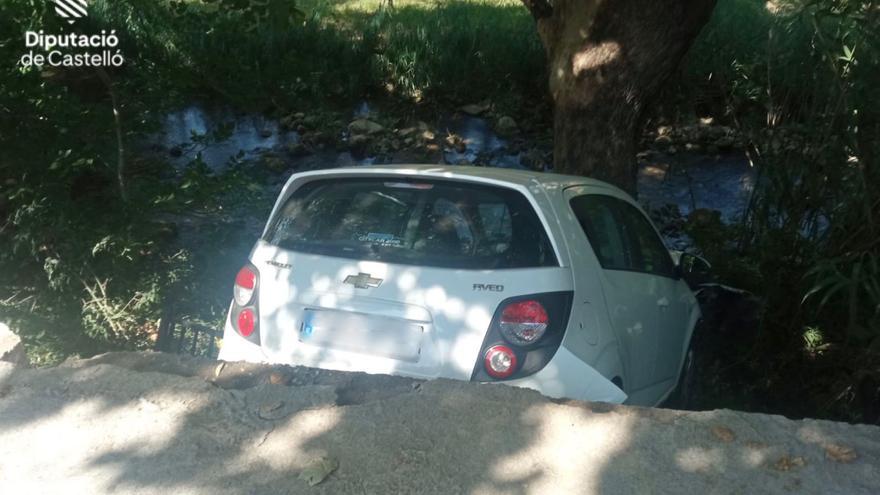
x=149 y=423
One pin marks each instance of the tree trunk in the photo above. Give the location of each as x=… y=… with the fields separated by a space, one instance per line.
x=607 y=60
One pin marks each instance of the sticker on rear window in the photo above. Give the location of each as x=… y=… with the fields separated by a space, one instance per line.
x=410 y=185
x=381 y=239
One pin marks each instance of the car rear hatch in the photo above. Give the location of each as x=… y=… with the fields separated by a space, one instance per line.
x=384 y=275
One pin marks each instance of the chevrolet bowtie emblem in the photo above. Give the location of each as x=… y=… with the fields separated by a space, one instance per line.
x=363 y=281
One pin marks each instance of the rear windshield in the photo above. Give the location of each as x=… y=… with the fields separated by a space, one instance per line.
x=427 y=222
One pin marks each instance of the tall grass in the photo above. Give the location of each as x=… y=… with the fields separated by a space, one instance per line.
x=336 y=51
x=795 y=77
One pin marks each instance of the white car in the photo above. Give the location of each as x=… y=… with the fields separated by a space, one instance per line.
x=552 y=282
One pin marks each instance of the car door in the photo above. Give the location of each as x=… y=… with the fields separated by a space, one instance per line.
x=651 y=258
x=630 y=296
x=641 y=293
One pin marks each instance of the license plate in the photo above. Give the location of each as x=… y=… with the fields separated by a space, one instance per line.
x=372 y=335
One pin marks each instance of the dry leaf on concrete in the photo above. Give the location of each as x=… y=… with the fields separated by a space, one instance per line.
x=723 y=434
x=840 y=453
x=787 y=463
x=318 y=471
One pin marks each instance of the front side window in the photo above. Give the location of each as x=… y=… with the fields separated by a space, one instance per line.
x=650 y=253
x=621 y=236
x=426 y=222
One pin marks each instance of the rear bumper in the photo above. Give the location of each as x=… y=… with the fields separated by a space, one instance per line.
x=564 y=377
x=567 y=377
x=237 y=348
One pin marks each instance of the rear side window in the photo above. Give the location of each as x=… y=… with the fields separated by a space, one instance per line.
x=432 y=223
x=599 y=222
x=621 y=236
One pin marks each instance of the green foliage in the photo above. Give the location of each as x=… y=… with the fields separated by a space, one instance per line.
x=86 y=270
x=279 y=53
x=798 y=77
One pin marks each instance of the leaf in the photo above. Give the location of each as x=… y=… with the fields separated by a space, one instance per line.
x=319 y=470
x=840 y=453
x=723 y=433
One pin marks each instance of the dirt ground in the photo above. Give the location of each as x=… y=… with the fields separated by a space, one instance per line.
x=145 y=423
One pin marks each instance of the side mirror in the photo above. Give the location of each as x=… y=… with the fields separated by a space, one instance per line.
x=694 y=269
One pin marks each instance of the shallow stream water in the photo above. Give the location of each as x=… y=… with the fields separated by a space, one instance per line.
x=689 y=181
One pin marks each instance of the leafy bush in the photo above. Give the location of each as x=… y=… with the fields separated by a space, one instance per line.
x=795 y=77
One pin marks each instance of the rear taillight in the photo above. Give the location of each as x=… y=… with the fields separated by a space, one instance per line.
x=500 y=361
x=246 y=322
x=525 y=333
x=245 y=285
x=244 y=314
x=523 y=322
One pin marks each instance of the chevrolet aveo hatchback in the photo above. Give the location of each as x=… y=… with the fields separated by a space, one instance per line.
x=550 y=282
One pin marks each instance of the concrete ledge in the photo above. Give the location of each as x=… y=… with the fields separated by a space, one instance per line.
x=152 y=423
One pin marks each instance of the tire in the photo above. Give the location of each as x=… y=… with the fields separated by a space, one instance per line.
x=685 y=394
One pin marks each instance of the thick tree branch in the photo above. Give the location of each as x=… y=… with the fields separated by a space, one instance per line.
x=540 y=9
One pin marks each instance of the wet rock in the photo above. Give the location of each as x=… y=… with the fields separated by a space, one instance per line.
x=358 y=146
x=274 y=163
x=298 y=149
x=365 y=127
x=287 y=122
x=454 y=141
x=534 y=159
x=475 y=109
x=506 y=126
x=294 y=124
x=693 y=147
x=663 y=140
x=311 y=121
x=407 y=131
x=11 y=348
x=428 y=135
x=725 y=142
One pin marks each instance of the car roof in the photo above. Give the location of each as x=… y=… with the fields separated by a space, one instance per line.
x=511 y=176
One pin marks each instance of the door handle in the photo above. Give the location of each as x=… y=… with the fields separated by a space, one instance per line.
x=663 y=303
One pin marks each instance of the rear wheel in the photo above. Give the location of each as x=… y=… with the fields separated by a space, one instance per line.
x=685 y=394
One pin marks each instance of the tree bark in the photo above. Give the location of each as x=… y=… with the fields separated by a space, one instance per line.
x=607 y=60
x=117 y=126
